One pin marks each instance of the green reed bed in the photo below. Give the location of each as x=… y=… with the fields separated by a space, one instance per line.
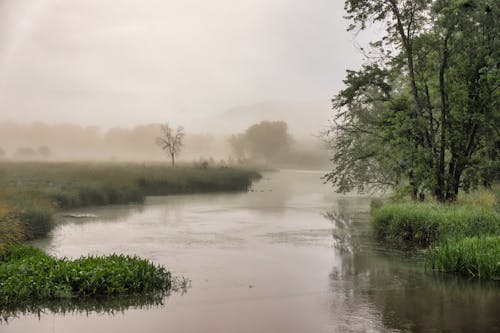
x=462 y=238
x=31 y=192
x=27 y=275
x=422 y=224
x=477 y=257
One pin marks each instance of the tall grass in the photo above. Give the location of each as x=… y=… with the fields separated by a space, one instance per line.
x=27 y=274
x=463 y=238
x=421 y=224
x=30 y=192
x=476 y=257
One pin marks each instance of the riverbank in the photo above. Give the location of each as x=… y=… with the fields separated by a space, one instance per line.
x=31 y=192
x=461 y=238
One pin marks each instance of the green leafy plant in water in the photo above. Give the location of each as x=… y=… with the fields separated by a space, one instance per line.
x=28 y=274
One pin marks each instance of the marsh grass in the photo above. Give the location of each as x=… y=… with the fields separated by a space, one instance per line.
x=422 y=224
x=476 y=257
x=30 y=192
x=462 y=238
x=27 y=275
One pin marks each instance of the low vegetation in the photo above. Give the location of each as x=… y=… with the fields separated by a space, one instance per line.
x=30 y=193
x=477 y=257
x=422 y=224
x=462 y=238
x=28 y=275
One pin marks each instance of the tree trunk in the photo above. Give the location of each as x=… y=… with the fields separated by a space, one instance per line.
x=413 y=186
x=173 y=159
x=440 y=172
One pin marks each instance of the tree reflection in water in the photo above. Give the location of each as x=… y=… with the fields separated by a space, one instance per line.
x=385 y=289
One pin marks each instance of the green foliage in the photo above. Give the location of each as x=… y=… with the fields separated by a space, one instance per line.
x=425 y=117
x=27 y=274
x=476 y=257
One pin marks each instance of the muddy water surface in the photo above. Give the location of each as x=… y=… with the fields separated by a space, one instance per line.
x=288 y=256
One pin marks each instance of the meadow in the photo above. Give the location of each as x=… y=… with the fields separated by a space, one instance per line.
x=462 y=238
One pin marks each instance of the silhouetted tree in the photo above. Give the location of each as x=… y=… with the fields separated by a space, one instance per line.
x=171 y=141
x=25 y=153
x=44 y=151
x=268 y=140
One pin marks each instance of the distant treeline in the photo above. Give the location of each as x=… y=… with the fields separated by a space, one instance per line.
x=66 y=141
x=265 y=142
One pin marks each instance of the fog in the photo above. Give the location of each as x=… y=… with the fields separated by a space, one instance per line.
x=73 y=74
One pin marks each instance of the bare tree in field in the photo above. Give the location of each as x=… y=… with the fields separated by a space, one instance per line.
x=171 y=141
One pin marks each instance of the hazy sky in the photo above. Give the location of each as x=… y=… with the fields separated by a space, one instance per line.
x=125 y=62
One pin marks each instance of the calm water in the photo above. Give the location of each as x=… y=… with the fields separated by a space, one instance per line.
x=289 y=256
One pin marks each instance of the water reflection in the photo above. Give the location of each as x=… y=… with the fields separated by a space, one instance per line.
x=111 y=305
x=263 y=261
x=381 y=285
x=105 y=305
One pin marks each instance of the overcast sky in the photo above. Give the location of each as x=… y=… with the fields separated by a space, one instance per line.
x=125 y=62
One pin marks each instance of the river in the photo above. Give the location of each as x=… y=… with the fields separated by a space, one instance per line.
x=288 y=256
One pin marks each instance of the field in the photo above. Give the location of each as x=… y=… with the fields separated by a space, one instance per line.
x=31 y=192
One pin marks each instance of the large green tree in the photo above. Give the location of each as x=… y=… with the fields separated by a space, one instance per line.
x=267 y=140
x=426 y=115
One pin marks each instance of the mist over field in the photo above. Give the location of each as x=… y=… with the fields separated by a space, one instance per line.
x=63 y=142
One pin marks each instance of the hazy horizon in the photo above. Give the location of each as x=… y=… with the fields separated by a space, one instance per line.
x=98 y=64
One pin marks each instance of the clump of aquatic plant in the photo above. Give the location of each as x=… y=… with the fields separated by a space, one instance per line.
x=476 y=257
x=27 y=274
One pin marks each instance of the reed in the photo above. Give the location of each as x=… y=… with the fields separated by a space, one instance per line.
x=475 y=257
x=422 y=224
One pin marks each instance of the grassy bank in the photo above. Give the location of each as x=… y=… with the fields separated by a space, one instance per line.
x=29 y=275
x=30 y=193
x=461 y=238
x=422 y=224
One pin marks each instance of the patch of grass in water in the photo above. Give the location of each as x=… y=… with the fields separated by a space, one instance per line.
x=28 y=274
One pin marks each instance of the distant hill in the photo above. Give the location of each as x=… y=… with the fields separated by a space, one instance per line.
x=303 y=119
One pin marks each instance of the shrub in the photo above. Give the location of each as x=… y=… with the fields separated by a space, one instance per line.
x=36 y=222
